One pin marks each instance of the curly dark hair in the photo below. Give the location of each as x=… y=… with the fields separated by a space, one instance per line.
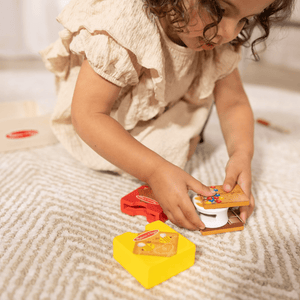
x=276 y=13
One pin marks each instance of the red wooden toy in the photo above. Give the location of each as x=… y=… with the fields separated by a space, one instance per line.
x=141 y=202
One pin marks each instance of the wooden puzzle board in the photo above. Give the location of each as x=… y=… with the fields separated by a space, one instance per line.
x=158 y=244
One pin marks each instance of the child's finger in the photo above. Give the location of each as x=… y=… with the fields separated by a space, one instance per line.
x=177 y=217
x=230 y=180
x=246 y=211
x=190 y=214
x=245 y=186
x=199 y=188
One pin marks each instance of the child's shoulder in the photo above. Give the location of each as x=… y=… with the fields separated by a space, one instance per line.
x=126 y=22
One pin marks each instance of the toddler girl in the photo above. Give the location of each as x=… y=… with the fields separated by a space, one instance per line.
x=136 y=81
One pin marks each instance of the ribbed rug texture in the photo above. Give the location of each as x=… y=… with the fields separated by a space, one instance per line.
x=58 y=220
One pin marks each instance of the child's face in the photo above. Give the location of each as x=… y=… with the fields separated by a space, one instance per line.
x=235 y=15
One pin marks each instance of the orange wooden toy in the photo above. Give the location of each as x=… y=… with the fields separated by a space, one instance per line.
x=214 y=210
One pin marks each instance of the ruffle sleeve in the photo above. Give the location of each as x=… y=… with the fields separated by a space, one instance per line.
x=104 y=41
x=108 y=59
x=57 y=56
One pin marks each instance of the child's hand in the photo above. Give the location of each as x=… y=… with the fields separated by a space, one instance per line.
x=170 y=185
x=238 y=170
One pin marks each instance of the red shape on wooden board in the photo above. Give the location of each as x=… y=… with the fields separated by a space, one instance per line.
x=21 y=134
x=141 y=202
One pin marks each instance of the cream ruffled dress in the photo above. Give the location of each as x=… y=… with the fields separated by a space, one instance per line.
x=166 y=90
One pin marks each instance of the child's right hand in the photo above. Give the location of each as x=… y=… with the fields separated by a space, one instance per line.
x=170 y=185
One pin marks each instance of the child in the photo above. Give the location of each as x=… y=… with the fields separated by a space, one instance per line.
x=136 y=81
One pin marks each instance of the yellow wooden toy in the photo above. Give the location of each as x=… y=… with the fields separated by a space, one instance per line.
x=149 y=267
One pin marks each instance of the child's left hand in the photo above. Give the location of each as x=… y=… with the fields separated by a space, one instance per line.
x=238 y=170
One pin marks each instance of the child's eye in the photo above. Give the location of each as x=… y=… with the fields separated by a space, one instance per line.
x=223 y=10
x=244 y=21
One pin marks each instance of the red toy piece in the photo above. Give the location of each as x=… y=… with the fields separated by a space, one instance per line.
x=141 y=202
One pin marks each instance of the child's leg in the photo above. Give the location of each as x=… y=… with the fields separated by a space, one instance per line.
x=193 y=145
x=198 y=139
x=172 y=133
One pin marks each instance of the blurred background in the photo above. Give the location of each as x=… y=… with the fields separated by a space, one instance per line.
x=28 y=26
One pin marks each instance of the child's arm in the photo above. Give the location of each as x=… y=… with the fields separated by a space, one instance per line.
x=236 y=119
x=92 y=102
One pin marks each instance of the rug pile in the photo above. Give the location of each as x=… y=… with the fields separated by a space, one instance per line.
x=58 y=220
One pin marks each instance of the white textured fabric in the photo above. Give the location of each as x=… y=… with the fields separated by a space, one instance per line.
x=125 y=47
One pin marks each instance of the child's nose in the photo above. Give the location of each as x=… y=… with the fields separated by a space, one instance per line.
x=227 y=30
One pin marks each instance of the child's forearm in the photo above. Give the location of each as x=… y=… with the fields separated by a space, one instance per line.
x=238 y=128
x=110 y=140
x=235 y=115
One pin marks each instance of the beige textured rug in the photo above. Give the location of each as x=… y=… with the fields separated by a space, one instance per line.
x=58 y=220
